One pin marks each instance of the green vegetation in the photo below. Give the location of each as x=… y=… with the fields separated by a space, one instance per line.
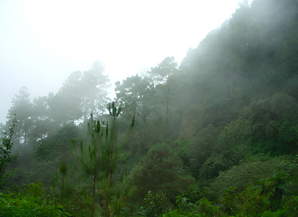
x=215 y=136
x=5 y=154
x=32 y=201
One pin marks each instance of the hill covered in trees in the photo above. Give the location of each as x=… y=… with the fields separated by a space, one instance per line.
x=222 y=126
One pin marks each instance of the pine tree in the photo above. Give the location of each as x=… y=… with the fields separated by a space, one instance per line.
x=98 y=160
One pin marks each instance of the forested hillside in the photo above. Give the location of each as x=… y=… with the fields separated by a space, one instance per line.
x=216 y=135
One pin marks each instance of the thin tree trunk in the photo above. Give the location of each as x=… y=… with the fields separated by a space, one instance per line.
x=167 y=111
x=93 y=205
x=132 y=152
x=133 y=139
x=106 y=206
x=2 y=167
x=63 y=189
x=111 y=171
x=112 y=150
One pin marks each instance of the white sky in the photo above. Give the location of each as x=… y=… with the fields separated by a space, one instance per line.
x=42 y=42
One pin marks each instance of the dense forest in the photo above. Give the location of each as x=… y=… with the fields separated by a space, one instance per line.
x=216 y=135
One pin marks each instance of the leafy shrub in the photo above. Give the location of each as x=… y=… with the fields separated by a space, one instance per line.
x=153 y=204
x=248 y=173
x=160 y=170
x=31 y=202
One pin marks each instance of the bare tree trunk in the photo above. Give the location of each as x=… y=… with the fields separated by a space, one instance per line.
x=167 y=111
x=63 y=189
x=93 y=203
x=106 y=206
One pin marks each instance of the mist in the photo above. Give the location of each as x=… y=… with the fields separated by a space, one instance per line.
x=149 y=109
x=42 y=43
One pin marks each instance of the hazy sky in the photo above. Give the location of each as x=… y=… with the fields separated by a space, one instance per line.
x=42 y=42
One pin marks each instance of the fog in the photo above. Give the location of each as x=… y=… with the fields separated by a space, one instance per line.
x=42 y=42
x=149 y=108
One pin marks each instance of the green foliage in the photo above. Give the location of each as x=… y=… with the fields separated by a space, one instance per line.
x=202 y=147
x=275 y=186
x=248 y=173
x=160 y=170
x=173 y=213
x=202 y=207
x=164 y=70
x=261 y=200
x=164 y=79
x=154 y=205
x=184 y=206
x=272 y=119
x=214 y=150
x=61 y=185
x=57 y=145
x=93 y=161
x=181 y=147
x=135 y=94
x=5 y=153
x=32 y=201
x=98 y=161
x=22 y=107
x=191 y=121
x=207 y=208
x=291 y=205
x=43 y=162
x=227 y=111
x=279 y=213
x=266 y=197
x=81 y=94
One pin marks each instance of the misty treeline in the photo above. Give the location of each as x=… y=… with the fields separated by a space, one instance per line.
x=214 y=136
